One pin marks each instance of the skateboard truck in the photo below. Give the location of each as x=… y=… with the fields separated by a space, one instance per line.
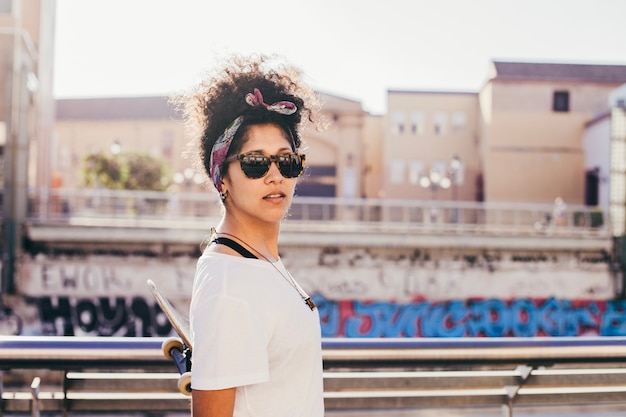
x=175 y=350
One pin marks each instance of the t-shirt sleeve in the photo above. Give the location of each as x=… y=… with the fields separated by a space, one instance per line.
x=229 y=343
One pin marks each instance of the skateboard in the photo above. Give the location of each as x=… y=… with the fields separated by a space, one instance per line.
x=179 y=348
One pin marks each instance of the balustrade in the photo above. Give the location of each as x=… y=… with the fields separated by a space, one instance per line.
x=146 y=208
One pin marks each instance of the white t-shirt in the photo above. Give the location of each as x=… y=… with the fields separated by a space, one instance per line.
x=251 y=330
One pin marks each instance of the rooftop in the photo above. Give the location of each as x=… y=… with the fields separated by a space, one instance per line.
x=559 y=71
x=115 y=108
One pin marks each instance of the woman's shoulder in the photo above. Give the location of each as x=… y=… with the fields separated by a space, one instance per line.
x=221 y=275
x=222 y=264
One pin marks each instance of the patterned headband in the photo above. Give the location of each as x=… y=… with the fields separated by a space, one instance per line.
x=222 y=144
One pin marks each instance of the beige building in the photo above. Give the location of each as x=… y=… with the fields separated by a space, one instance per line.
x=26 y=107
x=150 y=125
x=335 y=156
x=519 y=139
x=26 y=116
x=430 y=146
x=533 y=120
x=115 y=126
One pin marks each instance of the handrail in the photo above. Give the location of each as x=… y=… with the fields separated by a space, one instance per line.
x=59 y=352
x=476 y=350
x=67 y=352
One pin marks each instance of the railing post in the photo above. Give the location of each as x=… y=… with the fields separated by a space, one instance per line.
x=511 y=393
x=507 y=409
x=34 y=390
x=1 y=392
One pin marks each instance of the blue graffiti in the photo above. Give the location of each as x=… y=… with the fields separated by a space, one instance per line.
x=614 y=320
x=472 y=318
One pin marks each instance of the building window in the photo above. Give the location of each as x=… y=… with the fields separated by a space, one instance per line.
x=398 y=120
x=397 y=171
x=459 y=120
x=416 y=171
x=440 y=167
x=440 y=120
x=167 y=143
x=417 y=123
x=560 y=102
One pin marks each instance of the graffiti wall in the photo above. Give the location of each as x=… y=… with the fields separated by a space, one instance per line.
x=99 y=296
x=518 y=317
x=385 y=293
x=139 y=316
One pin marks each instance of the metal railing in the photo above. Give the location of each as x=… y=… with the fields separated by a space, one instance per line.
x=115 y=374
x=60 y=352
x=145 y=208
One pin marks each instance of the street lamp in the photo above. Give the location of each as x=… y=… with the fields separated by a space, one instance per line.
x=435 y=180
x=455 y=174
x=444 y=177
x=116 y=147
x=188 y=177
x=456 y=177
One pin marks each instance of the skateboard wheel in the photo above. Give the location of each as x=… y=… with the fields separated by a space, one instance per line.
x=169 y=344
x=184 y=383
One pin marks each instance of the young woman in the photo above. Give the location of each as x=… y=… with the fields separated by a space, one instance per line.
x=256 y=333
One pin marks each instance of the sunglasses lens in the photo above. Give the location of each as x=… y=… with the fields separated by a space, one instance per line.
x=255 y=166
x=290 y=165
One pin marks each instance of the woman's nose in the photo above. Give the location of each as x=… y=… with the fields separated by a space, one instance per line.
x=274 y=173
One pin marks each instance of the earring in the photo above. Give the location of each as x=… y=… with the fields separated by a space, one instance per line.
x=223 y=195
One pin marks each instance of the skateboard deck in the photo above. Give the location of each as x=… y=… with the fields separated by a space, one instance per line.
x=176 y=349
x=179 y=322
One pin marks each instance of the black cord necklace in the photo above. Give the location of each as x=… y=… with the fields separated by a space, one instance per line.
x=305 y=297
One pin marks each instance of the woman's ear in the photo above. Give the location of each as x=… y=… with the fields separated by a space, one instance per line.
x=224 y=183
x=224 y=192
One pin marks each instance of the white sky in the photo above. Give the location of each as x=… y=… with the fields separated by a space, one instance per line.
x=356 y=49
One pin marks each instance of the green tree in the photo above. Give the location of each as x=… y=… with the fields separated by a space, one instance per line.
x=131 y=171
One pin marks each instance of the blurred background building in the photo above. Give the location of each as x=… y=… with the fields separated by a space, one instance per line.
x=26 y=113
x=520 y=139
x=524 y=137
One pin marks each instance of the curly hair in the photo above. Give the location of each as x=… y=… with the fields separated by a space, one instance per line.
x=212 y=105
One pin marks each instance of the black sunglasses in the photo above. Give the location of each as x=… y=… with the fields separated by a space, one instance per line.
x=257 y=165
